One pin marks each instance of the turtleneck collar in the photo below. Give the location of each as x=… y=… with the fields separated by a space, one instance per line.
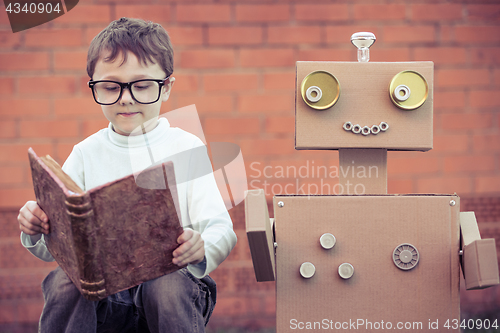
x=133 y=141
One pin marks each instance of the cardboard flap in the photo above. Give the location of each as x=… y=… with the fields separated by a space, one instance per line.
x=468 y=228
x=480 y=264
x=259 y=230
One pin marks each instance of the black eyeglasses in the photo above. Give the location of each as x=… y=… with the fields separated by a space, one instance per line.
x=146 y=91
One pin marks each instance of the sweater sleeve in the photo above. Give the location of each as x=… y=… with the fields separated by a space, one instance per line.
x=36 y=245
x=208 y=215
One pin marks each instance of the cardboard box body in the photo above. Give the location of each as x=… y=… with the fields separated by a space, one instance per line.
x=367 y=230
x=365 y=100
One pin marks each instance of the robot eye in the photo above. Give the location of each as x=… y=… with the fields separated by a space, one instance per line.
x=320 y=90
x=408 y=90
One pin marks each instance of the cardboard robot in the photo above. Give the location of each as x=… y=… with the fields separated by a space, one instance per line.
x=363 y=259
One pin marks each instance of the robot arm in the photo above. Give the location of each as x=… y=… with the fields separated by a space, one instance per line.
x=260 y=235
x=479 y=256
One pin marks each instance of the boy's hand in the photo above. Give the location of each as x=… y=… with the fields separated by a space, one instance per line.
x=191 y=249
x=32 y=219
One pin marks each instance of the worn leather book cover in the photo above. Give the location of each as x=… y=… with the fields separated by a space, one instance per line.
x=114 y=236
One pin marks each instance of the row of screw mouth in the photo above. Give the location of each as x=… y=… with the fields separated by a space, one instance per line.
x=365 y=130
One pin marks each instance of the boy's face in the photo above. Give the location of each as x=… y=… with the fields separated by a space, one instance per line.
x=127 y=115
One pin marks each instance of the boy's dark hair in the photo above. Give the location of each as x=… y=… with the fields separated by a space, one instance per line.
x=148 y=41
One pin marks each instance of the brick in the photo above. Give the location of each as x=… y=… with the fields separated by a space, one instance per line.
x=266 y=103
x=213 y=103
x=91 y=32
x=485 y=55
x=4 y=19
x=262 y=13
x=280 y=124
x=471 y=163
x=477 y=34
x=404 y=34
x=322 y=12
x=11 y=175
x=486 y=142
x=185 y=35
x=441 y=55
x=6 y=86
x=389 y=54
x=185 y=82
x=272 y=147
x=53 y=38
x=235 y=35
x=444 y=184
x=212 y=58
x=77 y=106
x=327 y=54
x=402 y=186
x=9 y=39
x=49 y=129
x=377 y=12
x=484 y=98
x=483 y=12
x=413 y=166
x=307 y=34
x=47 y=85
x=487 y=184
x=15 y=197
x=256 y=168
x=13 y=108
x=461 y=77
x=150 y=12
x=279 y=81
x=239 y=126
x=456 y=143
x=8 y=129
x=449 y=100
x=209 y=13
x=19 y=152
x=496 y=77
x=231 y=306
x=71 y=60
x=464 y=121
x=230 y=82
x=9 y=225
x=24 y=61
x=342 y=33
x=446 y=33
x=90 y=127
x=86 y=14
x=272 y=57
x=436 y=12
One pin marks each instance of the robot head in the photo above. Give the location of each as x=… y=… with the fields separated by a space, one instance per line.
x=364 y=104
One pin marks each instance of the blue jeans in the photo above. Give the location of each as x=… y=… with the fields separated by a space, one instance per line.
x=177 y=302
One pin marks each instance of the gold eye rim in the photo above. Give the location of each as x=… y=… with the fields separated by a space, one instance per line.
x=311 y=81
x=409 y=104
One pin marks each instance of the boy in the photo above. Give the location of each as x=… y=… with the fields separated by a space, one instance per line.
x=130 y=64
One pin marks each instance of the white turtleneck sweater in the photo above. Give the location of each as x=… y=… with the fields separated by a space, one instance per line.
x=106 y=156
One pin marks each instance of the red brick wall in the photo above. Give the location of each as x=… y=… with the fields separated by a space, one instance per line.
x=236 y=61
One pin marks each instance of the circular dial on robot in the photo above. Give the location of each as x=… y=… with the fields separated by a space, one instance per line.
x=320 y=90
x=408 y=90
x=405 y=256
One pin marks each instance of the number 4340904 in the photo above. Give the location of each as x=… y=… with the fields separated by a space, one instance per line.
x=32 y=8
x=471 y=324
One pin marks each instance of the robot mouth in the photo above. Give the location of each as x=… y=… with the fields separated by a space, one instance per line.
x=366 y=130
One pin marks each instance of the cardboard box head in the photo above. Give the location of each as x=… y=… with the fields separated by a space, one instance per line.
x=364 y=105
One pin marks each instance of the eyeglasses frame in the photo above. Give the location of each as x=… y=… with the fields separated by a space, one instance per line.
x=127 y=85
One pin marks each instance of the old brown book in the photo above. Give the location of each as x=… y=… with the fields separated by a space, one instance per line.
x=112 y=237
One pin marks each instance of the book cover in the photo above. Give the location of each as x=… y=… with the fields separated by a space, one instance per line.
x=111 y=237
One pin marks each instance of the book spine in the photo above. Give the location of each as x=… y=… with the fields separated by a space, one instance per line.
x=80 y=211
